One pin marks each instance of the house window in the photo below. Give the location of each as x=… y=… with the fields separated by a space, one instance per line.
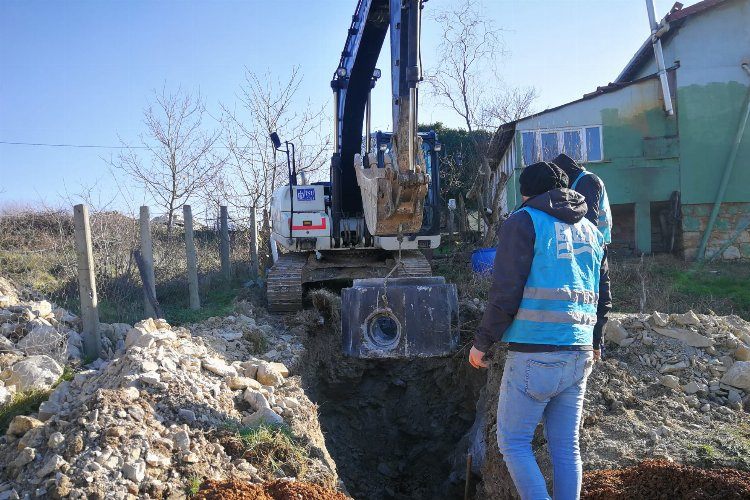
x=594 y=143
x=583 y=144
x=529 y=147
x=572 y=144
x=549 y=146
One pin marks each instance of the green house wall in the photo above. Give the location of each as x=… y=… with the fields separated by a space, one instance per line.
x=648 y=155
x=640 y=148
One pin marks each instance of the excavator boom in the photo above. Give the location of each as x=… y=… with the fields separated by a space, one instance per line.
x=391 y=195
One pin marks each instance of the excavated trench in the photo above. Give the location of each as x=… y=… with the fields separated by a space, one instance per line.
x=395 y=428
x=399 y=429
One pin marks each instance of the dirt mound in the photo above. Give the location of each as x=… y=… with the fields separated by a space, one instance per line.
x=655 y=479
x=272 y=490
x=174 y=407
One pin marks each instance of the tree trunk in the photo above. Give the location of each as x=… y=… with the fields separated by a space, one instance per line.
x=170 y=219
x=462 y=217
x=496 y=217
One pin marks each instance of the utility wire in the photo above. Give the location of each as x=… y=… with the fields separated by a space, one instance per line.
x=88 y=146
x=45 y=144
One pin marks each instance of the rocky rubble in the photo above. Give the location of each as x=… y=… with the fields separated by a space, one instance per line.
x=37 y=339
x=251 y=331
x=670 y=387
x=163 y=410
x=30 y=325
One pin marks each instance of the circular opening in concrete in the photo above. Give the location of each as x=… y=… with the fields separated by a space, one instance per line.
x=384 y=330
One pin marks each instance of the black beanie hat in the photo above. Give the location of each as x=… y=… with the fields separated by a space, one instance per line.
x=541 y=177
x=567 y=164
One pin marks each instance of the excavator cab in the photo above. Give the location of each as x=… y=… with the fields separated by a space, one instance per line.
x=431 y=148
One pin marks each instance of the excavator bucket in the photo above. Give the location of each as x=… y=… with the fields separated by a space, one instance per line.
x=393 y=199
x=400 y=318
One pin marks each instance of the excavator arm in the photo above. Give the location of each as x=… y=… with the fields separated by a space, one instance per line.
x=391 y=194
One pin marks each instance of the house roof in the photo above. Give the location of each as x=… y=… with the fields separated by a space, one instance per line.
x=674 y=20
x=606 y=89
x=676 y=17
x=500 y=142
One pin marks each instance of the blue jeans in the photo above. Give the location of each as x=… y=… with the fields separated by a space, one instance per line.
x=546 y=386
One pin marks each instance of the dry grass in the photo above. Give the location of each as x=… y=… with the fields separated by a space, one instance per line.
x=328 y=304
x=37 y=251
x=666 y=284
x=272 y=448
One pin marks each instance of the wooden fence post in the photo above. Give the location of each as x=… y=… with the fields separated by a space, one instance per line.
x=192 y=259
x=226 y=264
x=147 y=253
x=87 y=283
x=254 y=266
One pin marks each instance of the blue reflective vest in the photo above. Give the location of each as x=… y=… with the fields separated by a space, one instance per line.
x=562 y=290
x=604 y=223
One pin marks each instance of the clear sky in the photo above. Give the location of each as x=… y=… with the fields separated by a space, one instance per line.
x=81 y=72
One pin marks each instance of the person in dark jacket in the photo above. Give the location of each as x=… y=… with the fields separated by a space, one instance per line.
x=551 y=284
x=593 y=190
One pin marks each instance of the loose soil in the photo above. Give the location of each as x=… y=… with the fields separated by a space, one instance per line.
x=654 y=479
x=271 y=490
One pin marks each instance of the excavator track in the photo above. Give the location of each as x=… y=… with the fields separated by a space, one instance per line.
x=413 y=264
x=284 y=283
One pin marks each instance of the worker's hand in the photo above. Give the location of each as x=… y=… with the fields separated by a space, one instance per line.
x=597 y=355
x=476 y=358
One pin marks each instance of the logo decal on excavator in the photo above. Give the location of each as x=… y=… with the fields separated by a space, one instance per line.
x=305 y=194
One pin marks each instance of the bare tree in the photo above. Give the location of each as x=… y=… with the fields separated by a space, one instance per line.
x=469 y=49
x=268 y=104
x=177 y=163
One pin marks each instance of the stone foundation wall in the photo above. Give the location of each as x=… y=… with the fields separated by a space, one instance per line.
x=732 y=217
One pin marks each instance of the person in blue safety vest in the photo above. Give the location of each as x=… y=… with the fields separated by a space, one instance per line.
x=592 y=188
x=550 y=288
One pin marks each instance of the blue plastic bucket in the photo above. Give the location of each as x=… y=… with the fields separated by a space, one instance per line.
x=483 y=260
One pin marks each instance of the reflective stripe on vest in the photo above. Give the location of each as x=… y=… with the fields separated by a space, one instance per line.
x=582 y=296
x=571 y=317
x=604 y=221
x=560 y=296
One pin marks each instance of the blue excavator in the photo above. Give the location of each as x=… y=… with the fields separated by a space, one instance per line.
x=371 y=222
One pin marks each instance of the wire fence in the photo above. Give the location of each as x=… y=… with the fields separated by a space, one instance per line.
x=38 y=255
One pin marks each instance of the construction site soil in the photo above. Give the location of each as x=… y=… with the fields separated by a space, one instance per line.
x=665 y=416
x=391 y=426
x=656 y=479
x=271 y=490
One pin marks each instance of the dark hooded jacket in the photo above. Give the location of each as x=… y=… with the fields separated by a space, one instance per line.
x=590 y=186
x=515 y=252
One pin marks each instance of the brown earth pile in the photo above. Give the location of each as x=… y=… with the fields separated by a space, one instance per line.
x=271 y=490
x=657 y=479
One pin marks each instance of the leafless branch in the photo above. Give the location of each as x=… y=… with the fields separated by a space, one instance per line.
x=178 y=162
x=267 y=104
x=471 y=46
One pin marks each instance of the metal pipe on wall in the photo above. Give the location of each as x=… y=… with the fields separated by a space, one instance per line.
x=659 y=54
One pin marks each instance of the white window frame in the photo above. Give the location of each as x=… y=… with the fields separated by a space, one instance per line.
x=561 y=141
